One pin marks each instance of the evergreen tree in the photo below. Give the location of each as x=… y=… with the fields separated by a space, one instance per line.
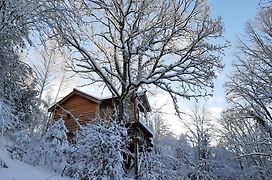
x=17 y=86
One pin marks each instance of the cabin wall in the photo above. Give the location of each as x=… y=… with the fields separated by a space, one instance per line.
x=83 y=109
x=106 y=110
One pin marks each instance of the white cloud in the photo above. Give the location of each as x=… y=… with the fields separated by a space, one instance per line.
x=164 y=102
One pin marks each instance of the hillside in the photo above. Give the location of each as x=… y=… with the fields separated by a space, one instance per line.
x=18 y=170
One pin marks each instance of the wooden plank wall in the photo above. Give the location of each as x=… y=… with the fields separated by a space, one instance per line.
x=82 y=109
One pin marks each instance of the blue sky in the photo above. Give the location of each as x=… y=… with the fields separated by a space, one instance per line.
x=235 y=14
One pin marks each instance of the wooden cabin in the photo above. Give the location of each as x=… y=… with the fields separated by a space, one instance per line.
x=79 y=108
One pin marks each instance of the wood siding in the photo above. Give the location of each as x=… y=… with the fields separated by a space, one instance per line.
x=76 y=107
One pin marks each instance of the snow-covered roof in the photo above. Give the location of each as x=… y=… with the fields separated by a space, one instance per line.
x=97 y=100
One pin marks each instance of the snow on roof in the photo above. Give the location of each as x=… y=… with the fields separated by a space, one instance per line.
x=96 y=99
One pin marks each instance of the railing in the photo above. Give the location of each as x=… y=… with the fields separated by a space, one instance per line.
x=146 y=123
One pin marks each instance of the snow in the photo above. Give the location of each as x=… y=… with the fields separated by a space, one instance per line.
x=18 y=170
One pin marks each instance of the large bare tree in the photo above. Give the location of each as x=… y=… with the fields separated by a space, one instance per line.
x=247 y=139
x=247 y=124
x=128 y=45
x=199 y=127
x=250 y=86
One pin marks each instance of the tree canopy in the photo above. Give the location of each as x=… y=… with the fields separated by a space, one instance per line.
x=132 y=45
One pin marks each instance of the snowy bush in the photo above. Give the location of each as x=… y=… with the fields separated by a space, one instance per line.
x=168 y=160
x=97 y=152
x=57 y=146
x=44 y=150
x=163 y=166
x=28 y=149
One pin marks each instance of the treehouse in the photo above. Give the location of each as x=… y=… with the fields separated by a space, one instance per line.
x=79 y=108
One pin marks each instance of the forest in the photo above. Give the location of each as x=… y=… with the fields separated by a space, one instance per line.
x=121 y=48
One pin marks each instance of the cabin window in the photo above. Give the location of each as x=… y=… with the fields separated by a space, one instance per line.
x=68 y=116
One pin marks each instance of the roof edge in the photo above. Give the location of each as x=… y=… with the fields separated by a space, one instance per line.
x=77 y=92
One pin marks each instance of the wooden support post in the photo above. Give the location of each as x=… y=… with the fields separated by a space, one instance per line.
x=136 y=146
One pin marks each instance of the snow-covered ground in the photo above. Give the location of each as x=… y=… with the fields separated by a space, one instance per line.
x=18 y=170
